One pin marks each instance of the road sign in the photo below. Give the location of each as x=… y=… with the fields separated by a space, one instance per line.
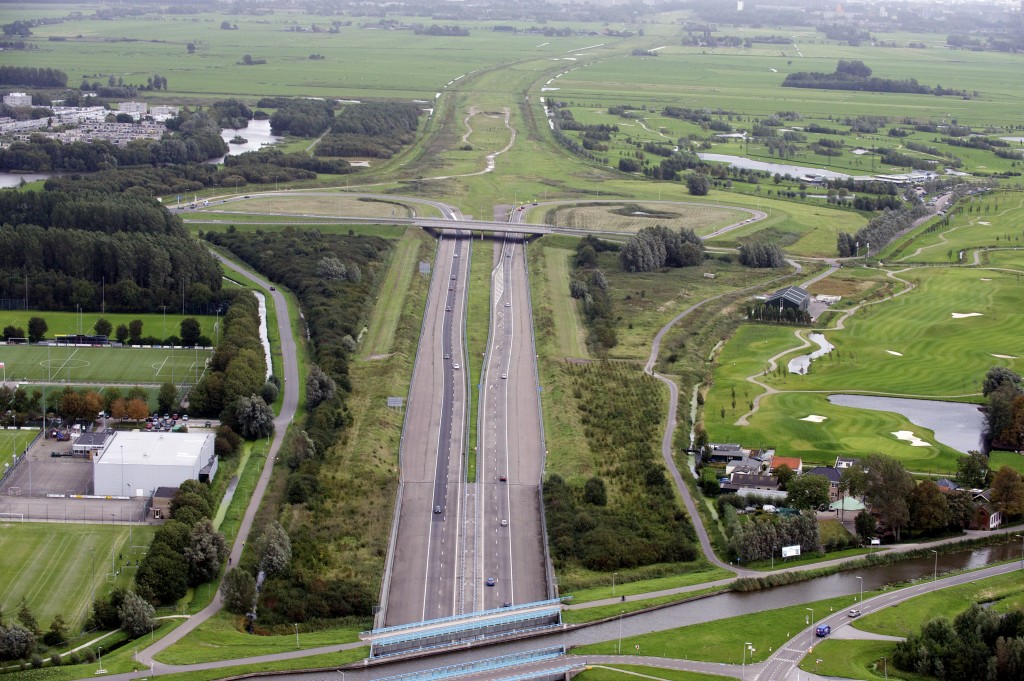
x=396 y=402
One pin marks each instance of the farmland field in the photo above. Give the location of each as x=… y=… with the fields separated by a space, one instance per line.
x=55 y=567
x=35 y=363
x=622 y=217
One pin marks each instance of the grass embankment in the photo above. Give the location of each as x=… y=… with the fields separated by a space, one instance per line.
x=57 y=568
x=723 y=640
x=863 y=659
x=629 y=672
x=221 y=638
x=380 y=332
x=600 y=612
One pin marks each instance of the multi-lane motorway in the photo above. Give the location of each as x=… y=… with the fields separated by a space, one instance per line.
x=426 y=567
x=465 y=545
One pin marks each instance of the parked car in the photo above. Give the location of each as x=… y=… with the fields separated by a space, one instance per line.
x=823 y=631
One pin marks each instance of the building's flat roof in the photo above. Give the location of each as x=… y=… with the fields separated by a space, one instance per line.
x=154 y=449
x=95 y=439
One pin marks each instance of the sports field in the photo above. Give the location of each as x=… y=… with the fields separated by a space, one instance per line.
x=34 y=364
x=55 y=567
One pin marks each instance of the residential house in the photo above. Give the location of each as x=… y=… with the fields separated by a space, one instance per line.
x=793 y=463
x=986 y=515
x=833 y=476
x=845 y=462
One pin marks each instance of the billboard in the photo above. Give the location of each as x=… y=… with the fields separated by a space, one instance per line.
x=790 y=551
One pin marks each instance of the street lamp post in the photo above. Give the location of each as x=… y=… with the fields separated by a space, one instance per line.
x=935 y=572
x=613 y=582
x=885 y=668
x=746 y=646
x=618 y=648
x=130 y=514
x=812 y=615
x=1021 y=537
x=101 y=669
x=296 y=635
x=861 y=580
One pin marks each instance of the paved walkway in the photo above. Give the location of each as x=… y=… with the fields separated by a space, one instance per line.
x=288 y=407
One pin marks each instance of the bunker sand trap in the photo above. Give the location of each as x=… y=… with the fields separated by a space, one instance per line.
x=1003 y=356
x=894 y=353
x=964 y=315
x=814 y=418
x=909 y=436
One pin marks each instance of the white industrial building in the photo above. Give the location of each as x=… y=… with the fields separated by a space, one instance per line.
x=136 y=463
x=18 y=99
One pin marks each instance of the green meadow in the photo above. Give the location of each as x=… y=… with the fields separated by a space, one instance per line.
x=939 y=356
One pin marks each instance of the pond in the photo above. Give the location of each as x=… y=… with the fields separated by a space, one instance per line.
x=257 y=135
x=780 y=168
x=955 y=424
x=799 y=365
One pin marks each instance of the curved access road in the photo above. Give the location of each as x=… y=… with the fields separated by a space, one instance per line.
x=670 y=423
x=289 y=405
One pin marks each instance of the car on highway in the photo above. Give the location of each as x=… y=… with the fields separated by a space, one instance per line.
x=455 y=366
x=447 y=357
x=504 y=523
x=508 y=304
x=853 y=613
x=491 y=581
x=449 y=308
x=437 y=509
x=507 y=604
x=823 y=631
x=504 y=375
x=503 y=478
x=453 y=277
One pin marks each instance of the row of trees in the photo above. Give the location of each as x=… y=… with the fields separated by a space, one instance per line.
x=766 y=534
x=32 y=76
x=656 y=247
x=235 y=387
x=881 y=230
x=186 y=550
x=589 y=285
x=373 y=129
x=854 y=75
x=300 y=117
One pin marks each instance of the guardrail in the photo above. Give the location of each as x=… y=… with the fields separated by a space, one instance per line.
x=487 y=664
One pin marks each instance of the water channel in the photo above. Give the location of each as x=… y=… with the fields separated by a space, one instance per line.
x=707 y=609
x=800 y=365
x=955 y=424
x=780 y=168
x=13 y=180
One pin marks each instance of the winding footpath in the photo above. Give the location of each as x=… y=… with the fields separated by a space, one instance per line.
x=289 y=405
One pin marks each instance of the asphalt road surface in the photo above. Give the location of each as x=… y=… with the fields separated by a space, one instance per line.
x=510 y=552
x=425 y=578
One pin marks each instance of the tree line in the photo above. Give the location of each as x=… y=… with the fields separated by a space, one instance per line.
x=881 y=230
x=32 y=76
x=855 y=75
x=589 y=285
x=235 y=387
x=299 y=117
x=334 y=278
x=761 y=254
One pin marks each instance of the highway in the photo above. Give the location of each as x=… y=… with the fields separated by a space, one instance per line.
x=510 y=551
x=426 y=580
